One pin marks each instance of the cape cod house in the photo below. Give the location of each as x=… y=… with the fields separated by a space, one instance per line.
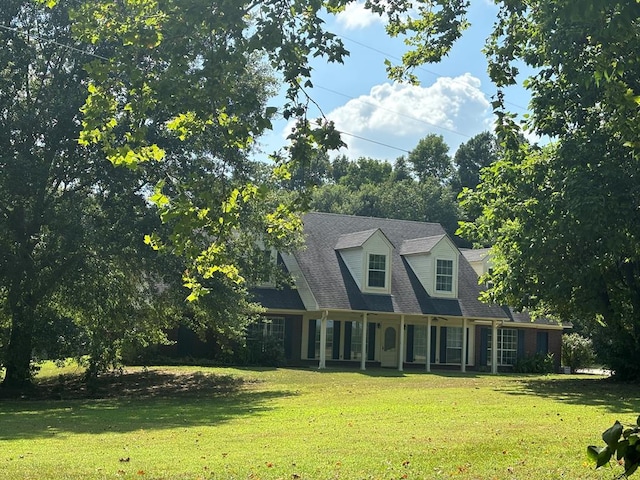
x=393 y=293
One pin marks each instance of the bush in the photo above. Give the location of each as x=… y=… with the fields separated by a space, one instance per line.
x=538 y=363
x=577 y=351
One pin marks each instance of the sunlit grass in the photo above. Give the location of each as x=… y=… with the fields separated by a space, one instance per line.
x=306 y=424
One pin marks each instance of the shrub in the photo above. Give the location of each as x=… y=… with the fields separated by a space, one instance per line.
x=577 y=351
x=538 y=363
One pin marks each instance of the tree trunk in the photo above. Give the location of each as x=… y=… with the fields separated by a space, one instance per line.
x=18 y=356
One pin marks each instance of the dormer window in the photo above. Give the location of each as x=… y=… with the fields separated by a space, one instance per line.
x=444 y=275
x=377 y=272
x=367 y=255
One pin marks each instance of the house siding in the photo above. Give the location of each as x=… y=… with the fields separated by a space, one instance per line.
x=354 y=260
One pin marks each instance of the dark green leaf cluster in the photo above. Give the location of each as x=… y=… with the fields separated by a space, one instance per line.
x=623 y=444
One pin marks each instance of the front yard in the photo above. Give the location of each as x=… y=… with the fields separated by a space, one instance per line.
x=309 y=424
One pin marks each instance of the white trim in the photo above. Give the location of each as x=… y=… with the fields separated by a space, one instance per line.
x=401 y=347
x=428 y=362
x=363 y=359
x=323 y=341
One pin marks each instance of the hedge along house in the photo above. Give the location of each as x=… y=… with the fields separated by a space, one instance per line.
x=393 y=293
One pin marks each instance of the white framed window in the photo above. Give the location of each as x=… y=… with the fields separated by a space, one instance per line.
x=356 y=341
x=420 y=343
x=377 y=271
x=270 y=327
x=454 y=345
x=444 y=275
x=329 y=350
x=507 y=346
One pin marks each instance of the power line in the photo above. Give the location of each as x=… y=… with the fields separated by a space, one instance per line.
x=373 y=141
x=52 y=41
x=431 y=72
x=411 y=117
x=94 y=55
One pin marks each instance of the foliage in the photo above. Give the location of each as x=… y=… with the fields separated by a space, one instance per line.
x=430 y=159
x=471 y=157
x=265 y=351
x=536 y=363
x=621 y=443
x=563 y=218
x=428 y=201
x=577 y=351
x=76 y=277
x=197 y=51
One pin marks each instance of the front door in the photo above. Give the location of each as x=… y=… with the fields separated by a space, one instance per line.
x=389 y=354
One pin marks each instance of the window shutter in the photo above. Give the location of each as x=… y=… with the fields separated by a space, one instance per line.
x=410 y=343
x=484 y=346
x=335 y=353
x=520 y=352
x=443 y=344
x=542 y=342
x=371 y=342
x=347 y=341
x=311 y=346
x=434 y=343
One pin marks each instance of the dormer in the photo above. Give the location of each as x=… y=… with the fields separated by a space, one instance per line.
x=479 y=259
x=367 y=255
x=434 y=260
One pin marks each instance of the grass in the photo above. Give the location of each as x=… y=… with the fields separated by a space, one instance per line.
x=213 y=423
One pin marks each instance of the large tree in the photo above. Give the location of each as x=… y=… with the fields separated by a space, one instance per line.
x=155 y=80
x=76 y=276
x=471 y=157
x=564 y=219
x=430 y=159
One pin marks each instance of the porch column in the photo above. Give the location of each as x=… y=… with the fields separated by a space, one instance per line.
x=323 y=340
x=363 y=357
x=494 y=346
x=401 y=353
x=428 y=364
x=463 y=360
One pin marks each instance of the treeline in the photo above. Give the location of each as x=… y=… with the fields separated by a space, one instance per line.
x=422 y=186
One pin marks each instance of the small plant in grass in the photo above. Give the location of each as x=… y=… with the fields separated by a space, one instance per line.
x=623 y=443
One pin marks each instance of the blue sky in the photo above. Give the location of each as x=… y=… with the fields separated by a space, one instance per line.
x=384 y=120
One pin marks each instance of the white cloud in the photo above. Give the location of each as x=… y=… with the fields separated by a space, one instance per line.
x=400 y=115
x=356 y=17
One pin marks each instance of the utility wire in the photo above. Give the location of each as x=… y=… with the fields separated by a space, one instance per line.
x=437 y=75
x=94 y=55
x=54 y=42
x=411 y=117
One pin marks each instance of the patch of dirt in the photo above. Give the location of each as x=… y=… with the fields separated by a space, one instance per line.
x=156 y=383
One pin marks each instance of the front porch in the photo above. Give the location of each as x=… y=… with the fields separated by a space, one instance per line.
x=399 y=341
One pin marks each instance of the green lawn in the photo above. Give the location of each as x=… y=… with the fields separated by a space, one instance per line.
x=307 y=424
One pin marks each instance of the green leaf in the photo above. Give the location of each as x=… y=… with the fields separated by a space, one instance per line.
x=612 y=435
x=630 y=468
x=603 y=457
x=593 y=452
x=622 y=449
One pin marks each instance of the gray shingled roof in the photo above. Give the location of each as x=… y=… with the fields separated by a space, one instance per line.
x=351 y=240
x=420 y=245
x=334 y=288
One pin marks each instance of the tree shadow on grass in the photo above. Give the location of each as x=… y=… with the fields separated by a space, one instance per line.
x=616 y=397
x=135 y=401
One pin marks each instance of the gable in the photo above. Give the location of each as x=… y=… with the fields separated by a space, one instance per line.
x=367 y=256
x=435 y=261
